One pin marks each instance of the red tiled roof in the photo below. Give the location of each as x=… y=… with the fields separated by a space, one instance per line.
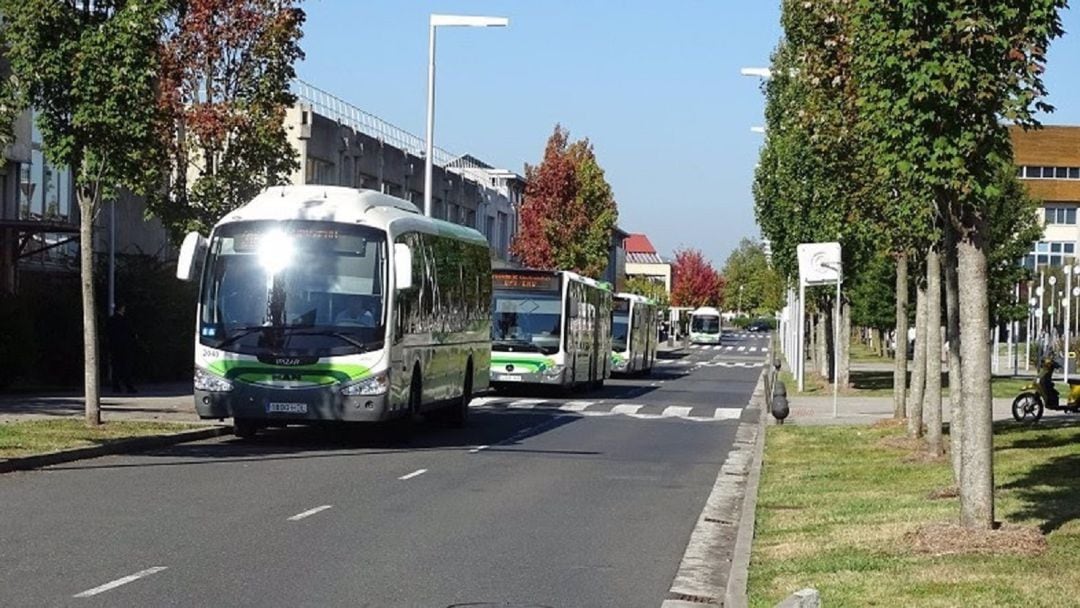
x=638 y=243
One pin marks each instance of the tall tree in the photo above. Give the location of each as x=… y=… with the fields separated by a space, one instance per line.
x=937 y=77
x=226 y=69
x=90 y=71
x=569 y=211
x=932 y=395
x=755 y=286
x=694 y=280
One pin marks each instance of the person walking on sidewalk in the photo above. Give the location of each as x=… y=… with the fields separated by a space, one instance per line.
x=121 y=349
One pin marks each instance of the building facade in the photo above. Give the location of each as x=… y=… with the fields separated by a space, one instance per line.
x=1048 y=162
x=341 y=145
x=643 y=261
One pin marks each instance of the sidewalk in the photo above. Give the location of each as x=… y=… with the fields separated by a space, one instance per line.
x=161 y=402
x=868 y=410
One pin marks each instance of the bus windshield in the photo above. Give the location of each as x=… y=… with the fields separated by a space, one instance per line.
x=705 y=324
x=300 y=288
x=526 y=321
x=620 y=325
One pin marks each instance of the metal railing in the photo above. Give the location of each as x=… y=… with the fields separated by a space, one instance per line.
x=337 y=109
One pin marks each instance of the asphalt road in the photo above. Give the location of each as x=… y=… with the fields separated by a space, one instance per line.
x=544 y=500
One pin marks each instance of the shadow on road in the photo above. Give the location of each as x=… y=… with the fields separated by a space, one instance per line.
x=500 y=430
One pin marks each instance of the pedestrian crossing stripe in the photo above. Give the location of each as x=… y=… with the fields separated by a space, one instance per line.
x=741 y=349
x=600 y=408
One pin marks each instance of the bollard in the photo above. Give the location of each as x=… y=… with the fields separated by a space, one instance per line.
x=780 y=408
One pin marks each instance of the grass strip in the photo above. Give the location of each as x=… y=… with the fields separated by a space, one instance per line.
x=30 y=437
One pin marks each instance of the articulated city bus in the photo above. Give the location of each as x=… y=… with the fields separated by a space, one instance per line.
x=633 y=334
x=550 y=327
x=705 y=326
x=323 y=303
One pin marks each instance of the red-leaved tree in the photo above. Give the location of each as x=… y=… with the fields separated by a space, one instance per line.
x=569 y=211
x=694 y=280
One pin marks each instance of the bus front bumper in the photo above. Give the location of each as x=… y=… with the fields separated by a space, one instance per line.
x=293 y=405
x=500 y=378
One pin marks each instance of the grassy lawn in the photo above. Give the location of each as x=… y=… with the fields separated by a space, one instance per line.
x=836 y=505
x=865 y=383
x=27 y=437
x=864 y=354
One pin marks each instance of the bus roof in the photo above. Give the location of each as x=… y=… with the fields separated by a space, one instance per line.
x=706 y=310
x=633 y=297
x=345 y=205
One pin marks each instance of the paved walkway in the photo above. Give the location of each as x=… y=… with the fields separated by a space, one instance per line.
x=867 y=410
x=163 y=402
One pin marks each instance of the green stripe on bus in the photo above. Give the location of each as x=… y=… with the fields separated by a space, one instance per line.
x=537 y=365
x=319 y=373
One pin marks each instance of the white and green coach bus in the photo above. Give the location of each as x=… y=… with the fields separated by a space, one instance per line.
x=633 y=334
x=550 y=327
x=322 y=303
x=705 y=326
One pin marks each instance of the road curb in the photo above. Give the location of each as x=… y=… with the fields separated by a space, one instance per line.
x=122 y=446
x=713 y=570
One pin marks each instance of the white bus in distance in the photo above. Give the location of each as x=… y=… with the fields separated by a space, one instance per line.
x=550 y=328
x=322 y=303
x=633 y=334
x=705 y=326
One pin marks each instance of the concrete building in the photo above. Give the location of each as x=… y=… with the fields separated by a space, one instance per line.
x=643 y=261
x=341 y=145
x=1048 y=162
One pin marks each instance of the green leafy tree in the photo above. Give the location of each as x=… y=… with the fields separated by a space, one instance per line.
x=936 y=78
x=1014 y=228
x=226 y=68
x=654 y=290
x=752 y=284
x=569 y=212
x=90 y=71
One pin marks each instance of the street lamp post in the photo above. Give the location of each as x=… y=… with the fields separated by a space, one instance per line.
x=443 y=21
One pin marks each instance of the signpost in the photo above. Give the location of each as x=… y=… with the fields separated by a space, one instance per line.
x=819 y=264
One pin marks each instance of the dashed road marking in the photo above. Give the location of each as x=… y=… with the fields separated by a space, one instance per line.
x=309 y=513
x=416 y=473
x=479 y=448
x=120 y=581
x=626 y=408
x=680 y=411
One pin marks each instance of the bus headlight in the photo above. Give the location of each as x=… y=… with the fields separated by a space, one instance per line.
x=375 y=385
x=205 y=381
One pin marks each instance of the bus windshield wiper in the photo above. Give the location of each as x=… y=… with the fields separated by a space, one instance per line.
x=519 y=343
x=337 y=334
x=240 y=332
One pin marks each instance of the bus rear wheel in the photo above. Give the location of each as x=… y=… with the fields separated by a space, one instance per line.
x=458 y=415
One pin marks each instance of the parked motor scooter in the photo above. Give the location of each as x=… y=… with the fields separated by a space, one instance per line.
x=1041 y=394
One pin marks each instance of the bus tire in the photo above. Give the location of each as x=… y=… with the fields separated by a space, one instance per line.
x=458 y=414
x=245 y=428
x=402 y=429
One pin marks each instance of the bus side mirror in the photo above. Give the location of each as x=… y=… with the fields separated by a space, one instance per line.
x=192 y=254
x=403 y=278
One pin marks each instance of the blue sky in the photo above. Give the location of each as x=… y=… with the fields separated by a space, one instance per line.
x=654 y=85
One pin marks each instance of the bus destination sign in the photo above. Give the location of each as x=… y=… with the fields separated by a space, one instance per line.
x=528 y=281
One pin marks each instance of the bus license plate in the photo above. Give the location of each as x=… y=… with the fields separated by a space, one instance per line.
x=286 y=408
x=509 y=378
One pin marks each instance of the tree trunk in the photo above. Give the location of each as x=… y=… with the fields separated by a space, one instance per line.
x=952 y=313
x=900 y=371
x=977 y=482
x=843 y=375
x=90 y=337
x=933 y=353
x=918 y=374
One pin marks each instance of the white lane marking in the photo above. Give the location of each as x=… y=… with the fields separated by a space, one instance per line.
x=479 y=448
x=309 y=513
x=677 y=410
x=727 y=413
x=575 y=406
x=483 y=400
x=742 y=348
x=751 y=349
x=730 y=348
x=416 y=473
x=626 y=408
x=764 y=349
x=525 y=404
x=120 y=581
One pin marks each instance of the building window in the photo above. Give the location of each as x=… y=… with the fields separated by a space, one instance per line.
x=1031 y=172
x=1050 y=253
x=318 y=171
x=1060 y=215
x=489 y=229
